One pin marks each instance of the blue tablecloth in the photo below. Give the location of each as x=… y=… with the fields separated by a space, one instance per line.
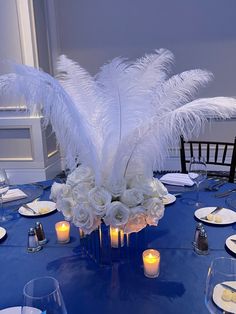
x=88 y=288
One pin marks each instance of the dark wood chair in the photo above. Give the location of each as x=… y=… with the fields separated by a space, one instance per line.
x=215 y=153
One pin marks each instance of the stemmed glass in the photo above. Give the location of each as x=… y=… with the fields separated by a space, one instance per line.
x=197 y=173
x=43 y=295
x=222 y=270
x=4 y=187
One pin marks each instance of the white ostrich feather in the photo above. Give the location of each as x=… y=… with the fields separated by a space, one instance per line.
x=122 y=121
x=72 y=131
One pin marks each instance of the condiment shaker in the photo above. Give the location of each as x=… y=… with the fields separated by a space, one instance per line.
x=40 y=233
x=202 y=247
x=197 y=232
x=33 y=243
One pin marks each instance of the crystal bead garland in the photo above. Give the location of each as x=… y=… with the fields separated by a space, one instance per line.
x=100 y=247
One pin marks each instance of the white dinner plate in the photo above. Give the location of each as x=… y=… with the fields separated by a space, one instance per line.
x=217 y=297
x=228 y=216
x=40 y=207
x=230 y=244
x=3 y=232
x=169 y=199
x=17 y=310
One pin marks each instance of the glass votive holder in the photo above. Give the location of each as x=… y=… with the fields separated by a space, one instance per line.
x=63 y=231
x=117 y=237
x=151 y=263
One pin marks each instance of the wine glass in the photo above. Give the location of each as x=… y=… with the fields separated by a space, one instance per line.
x=222 y=270
x=43 y=294
x=197 y=173
x=4 y=187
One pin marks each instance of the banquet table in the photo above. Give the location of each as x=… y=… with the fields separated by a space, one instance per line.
x=122 y=288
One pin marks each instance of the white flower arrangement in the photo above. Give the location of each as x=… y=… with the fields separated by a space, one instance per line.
x=119 y=125
x=138 y=204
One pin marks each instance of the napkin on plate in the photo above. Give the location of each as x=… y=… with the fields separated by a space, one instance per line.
x=12 y=195
x=180 y=179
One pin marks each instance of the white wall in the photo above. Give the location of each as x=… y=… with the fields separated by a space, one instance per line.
x=10 y=48
x=201 y=34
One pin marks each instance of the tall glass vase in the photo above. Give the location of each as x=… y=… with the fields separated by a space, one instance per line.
x=108 y=245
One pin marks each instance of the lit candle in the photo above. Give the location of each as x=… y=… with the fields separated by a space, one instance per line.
x=81 y=233
x=151 y=263
x=115 y=234
x=63 y=231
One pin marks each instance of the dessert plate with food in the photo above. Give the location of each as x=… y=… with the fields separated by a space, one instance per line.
x=216 y=215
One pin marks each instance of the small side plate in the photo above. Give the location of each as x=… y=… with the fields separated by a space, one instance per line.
x=217 y=297
x=3 y=232
x=228 y=216
x=230 y=244
x=41 y=207
x=169 y=199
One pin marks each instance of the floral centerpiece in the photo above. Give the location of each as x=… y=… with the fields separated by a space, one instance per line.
x=119 y=126
x=87 y=205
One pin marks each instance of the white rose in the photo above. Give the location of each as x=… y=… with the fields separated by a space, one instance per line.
x=116 y=188
x=80 y=174
x=135 y=223
x=56 y=190
x=154 y=210
x=132 y=197
x=84 y=218
x=150 y=187
x=117 y=214
x=65 y=206
x=99 y=198
x=80 y=191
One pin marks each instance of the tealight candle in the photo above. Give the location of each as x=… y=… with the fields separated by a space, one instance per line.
x=63 y=231
x=115 y=234
x=151 y=263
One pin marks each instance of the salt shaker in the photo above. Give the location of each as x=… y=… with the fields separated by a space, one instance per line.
x=33 y=243
x=202 y=247
x=40 y=233
x=197 y=232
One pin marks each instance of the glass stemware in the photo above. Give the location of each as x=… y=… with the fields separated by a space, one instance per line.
x=43 y=295
x=222 y=270
x=4 y=187
x=197 y=173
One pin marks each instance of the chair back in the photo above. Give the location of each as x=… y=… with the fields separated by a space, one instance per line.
x=215 y=153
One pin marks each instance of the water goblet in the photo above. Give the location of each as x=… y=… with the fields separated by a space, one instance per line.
x=221 y=270
x=43 y=294
x=197 y=173
x=4 y=187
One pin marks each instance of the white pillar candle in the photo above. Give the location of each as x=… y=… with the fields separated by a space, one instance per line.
x=63 y=231
x=115 y=234
x=151 y=263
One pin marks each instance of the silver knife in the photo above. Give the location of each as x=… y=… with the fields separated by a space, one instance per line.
x=225 y=193
x=216 y=210
x=228 y=287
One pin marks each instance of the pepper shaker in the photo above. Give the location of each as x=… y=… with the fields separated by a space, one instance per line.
x=197 y=232
x=202 y=247
x=40 y=233
x=33 y=243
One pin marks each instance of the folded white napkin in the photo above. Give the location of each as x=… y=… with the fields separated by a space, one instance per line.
x=12 y=195
x=180 y=179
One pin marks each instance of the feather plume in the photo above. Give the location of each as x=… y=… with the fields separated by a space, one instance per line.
x=122 y=121
x=72 y=131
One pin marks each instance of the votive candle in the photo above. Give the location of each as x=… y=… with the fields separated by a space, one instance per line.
x=63 y=231
x=115 y=233
x=151 y=263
